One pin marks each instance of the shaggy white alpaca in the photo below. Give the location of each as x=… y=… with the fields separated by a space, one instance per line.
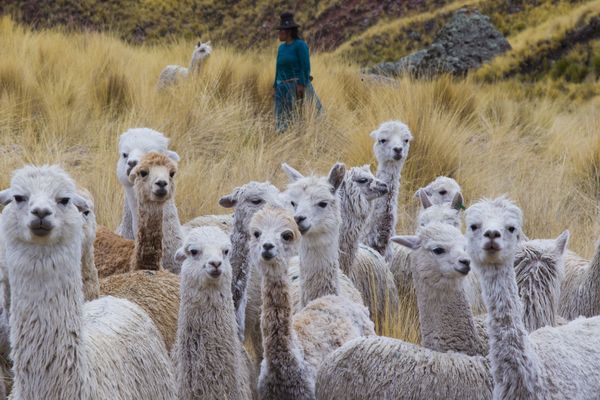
x=392 y=142
x=62 y=348
x=580 y=290
x=550 y=363
x=210 y=361
x=441 y=190
x=171 y=74
x=133 y=145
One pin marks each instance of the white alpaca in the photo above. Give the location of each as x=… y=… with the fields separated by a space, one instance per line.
x=133 y=145
x=62 y=348
x=550 y=363
x=446 y=212
x=171 y=74
x=392 y=142
x=441 y=190
x=210 y=361
x=580 y=290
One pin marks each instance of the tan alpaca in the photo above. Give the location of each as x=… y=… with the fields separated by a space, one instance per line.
x=148 y=284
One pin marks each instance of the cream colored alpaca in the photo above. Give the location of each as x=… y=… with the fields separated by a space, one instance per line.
x=172 y=74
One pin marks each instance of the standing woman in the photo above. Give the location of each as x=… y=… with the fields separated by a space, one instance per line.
x=292 y=73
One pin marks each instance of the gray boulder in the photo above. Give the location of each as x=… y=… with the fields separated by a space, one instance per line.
x=465 y=43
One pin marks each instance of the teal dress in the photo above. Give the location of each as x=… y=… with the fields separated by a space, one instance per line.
x=292 y=68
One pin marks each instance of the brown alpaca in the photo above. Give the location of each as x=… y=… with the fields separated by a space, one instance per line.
x=148 y=284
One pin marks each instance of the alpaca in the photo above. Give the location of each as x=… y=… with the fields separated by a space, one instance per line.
x=392 y=142
x=366 y=269
x=539 y=271
x=550 y=363
x=580 y=289
x=171 y=74
x=440 y=264
x=223 y=221
x=441 y=190
x=110 y=250
x=89 y=273
x=148 y=284
x=62 y=348
x=207 y=345
x=446 y=212
x=284 y=373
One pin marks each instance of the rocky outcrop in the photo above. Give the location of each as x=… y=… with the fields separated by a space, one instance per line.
x=465 y=43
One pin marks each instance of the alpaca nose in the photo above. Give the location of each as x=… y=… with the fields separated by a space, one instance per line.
x=465 y=261
x=215 y=264
x=132 y=163
x=398 y=150
x=492 y=234
x=41 y=213
x=299 y=218
x=268 y=246
x=161 y=184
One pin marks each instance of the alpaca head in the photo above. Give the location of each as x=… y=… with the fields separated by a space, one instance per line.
x=204 y=257
x=153 y=178
x=494 y=228
x=275 y=238
x=201 y=52
x=392 y=141
x=441 y=190
x=542 y=255
x=134 y=144
x=440 y=253
x=314 y=199
x=42 y=206
x=359 y=181
x=447 y=213
x=89 y=218
x=250 y=198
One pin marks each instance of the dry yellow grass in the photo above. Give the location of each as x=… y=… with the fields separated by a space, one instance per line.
x=66 y=98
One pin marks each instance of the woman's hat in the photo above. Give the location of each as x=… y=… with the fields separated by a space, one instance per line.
x=287 y=21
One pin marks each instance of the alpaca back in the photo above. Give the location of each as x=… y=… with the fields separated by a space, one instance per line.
x=126 y=351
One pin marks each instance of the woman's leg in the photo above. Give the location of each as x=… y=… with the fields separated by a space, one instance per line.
x=312 y=96
x=285 y=94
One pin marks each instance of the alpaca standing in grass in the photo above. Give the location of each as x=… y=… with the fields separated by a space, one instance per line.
x=580 y=290
x=103 y=349
x=148 y=284
x=112 y=253
x=210 y=361
x=550 y=363
x=392 y=142
x=284 y=373
x=172 y=74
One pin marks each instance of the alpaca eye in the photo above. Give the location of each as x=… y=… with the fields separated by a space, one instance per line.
x=322 y=204
x=18 y=198
x=511 y=229
x=362 y=181
x=443 y=192
x=125 y=155
x=194 y=252
x=64 y=201
x=225 y=252
x=438 y=251
x=143 y=173
x=256 y=234
x=405 y=140
x=382 y=141
x=86 y=213
x=287 y=236
x=172 y=174
x=256 y=201
x=474 y=227
x=293 y=203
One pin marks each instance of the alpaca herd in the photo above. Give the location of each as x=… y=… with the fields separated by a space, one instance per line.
x=287 y=297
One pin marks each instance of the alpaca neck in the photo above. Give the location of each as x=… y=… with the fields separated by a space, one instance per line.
x=89 y=272
x=132 y=204
x=382 y=223
x=148 y=242
x=125 y=229
x=354 y=211
x=593 y=280
x=172 y=236
x=516 y=367
x=48 y=352
x=239 y=263
x=319 y=266
x=207 y=344
x=446 y=319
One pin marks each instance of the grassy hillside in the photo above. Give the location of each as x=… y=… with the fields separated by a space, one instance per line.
x=66 y=98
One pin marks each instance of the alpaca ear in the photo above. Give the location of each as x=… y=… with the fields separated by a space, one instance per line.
x=173 y=155
x=425 y=201
x=208 y=43
x=374 y=134
x=81 y=203
x=561 y=241
x=336 y=175
x=293 y=174
x=458 y=203
x=412 y=242
x=180 y=255
x=6 y=196
x=230 y=200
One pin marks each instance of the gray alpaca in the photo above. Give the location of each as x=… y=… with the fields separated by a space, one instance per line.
x=550 y=363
